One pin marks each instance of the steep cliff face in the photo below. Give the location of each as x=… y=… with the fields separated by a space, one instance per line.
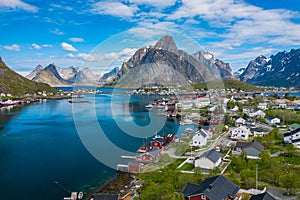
x=164 y=64
x=216 y=66
x=281 y=70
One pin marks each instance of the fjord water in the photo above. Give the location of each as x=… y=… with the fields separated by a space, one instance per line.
x=39 y=144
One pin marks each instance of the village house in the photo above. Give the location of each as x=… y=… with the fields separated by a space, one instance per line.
x=292 y=137
x=106 y=197
x=234 y=108
x=257 y=114
x=214 y=188
x=263 y=196
x=149 y=157
x=272 y=121
x=208 y=160
x=240 y=133
x=248 y=109
x=262 y=106
x=158 y=142
x=134 y=167
x=200 y=138
x=294 y=126
x=252 y=149
x=258 y=132
x=201 y=101
x=239 y=122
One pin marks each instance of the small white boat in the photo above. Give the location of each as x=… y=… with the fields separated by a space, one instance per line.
x=149 y=106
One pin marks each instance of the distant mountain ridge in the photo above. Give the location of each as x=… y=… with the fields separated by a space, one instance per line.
x=13 y=83
x=280 y=70
x=165 y=64
x=57 y=76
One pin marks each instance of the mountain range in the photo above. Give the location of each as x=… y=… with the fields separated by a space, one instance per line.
x=13 y=83
x=165 y=64
x=279 y=70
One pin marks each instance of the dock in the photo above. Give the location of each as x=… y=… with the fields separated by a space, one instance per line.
x=128 y=157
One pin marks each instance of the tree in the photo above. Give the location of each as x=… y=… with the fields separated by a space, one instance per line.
x=289 y=182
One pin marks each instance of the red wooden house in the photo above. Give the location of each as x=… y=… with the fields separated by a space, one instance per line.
x=158 y=143
x=134 y=167
x=149 y=157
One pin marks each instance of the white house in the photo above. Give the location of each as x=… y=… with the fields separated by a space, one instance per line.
x=260 y=114
x=257 y=113
x=239 y=122
x=208 y=160
x=273 y=121
x=240 y=133
x=248 y=109
x=235 y=108
x=262 y=106
x=201 y=102
x=199 y=139
x=292 y=137
x=185 y=104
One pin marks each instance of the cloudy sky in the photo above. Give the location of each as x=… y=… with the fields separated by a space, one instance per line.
x=68 y=32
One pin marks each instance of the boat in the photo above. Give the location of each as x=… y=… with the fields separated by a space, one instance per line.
x=148 y=106
x=77 y=101
x=80 y=195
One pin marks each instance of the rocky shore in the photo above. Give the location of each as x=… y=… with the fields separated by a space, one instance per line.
x=124 y=184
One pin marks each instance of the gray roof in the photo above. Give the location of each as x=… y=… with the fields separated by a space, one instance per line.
x=106 y=197
x=291 y=132
x=263 y=196
x=212 y=155
x=202 y=133
x=154 y=151
x=248 y=107
x=253 y=144
x=216 y=188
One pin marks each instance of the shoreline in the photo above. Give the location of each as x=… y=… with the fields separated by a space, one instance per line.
x=122 y=183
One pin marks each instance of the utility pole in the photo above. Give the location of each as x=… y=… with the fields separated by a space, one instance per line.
x=256 y=180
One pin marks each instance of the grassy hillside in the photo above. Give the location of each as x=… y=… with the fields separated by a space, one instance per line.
x=227 y=84
x=11 y=82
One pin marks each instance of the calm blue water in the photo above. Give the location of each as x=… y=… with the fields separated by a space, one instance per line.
x=39 y=144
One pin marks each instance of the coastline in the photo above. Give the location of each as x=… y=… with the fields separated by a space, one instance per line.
x=122 y=183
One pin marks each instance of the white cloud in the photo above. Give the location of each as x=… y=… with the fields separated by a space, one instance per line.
x=67 y=47
x=70 y=55
x=13 y=47
x=86 y=57
x=155 y=3
x=75 y=39
x=114 y=8
x=57 y=32
x=47 y=45
x=36 y=46
x=18 y=4
x=242 y=23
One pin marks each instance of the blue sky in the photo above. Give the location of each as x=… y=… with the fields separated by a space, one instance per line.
x=83 y=33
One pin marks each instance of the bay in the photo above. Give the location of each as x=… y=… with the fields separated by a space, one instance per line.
x=39 y=144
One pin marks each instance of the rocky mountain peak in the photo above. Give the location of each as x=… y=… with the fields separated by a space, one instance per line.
x=167 y=43
x=281 y=69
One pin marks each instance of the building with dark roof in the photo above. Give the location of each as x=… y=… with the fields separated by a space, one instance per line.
x=208 y=160
x=106 y=197
x=292 y=137
x=253 y=149
x=263 y=196
x=214 y=188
